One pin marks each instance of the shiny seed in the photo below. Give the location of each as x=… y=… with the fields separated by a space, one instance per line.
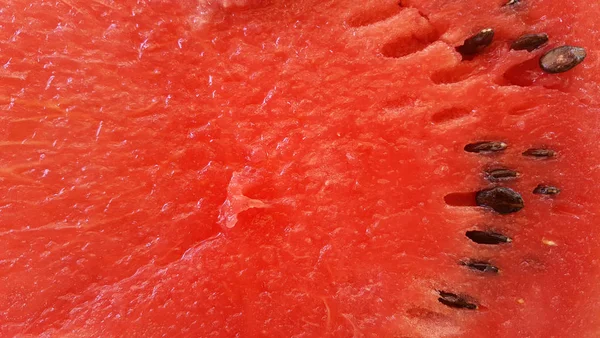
x=455 y=301
x=539 y=153
x=476 y=43
x=497 y=175
x=529 y=42
x=487 y=237
x=481 y=266
x=562 y=59
x=500 y=199
x=512 y=2
x=542 y=189
x=485 y=147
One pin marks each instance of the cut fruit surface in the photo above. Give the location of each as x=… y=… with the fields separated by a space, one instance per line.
x=271 y=168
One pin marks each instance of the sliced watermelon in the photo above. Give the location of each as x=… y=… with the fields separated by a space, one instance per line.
x=256 y=168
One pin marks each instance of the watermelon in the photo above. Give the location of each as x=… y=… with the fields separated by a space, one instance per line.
x=271 y=168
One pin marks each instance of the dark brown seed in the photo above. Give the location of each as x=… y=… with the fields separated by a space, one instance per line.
x=562 y=59
x=542 y=189
x=455 y=301
x=539 y=153
x=476 y=43
x=485 y=147
x=500 y=199
x=529 y=42
x=481 y=266
x=487 y=237
x=497 y=175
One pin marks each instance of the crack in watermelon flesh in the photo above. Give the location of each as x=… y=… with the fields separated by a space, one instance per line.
x=256 y=168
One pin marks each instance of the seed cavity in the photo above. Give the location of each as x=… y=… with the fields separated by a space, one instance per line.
x=487 y=237
x=476 y=43
x=529 y=42
x=455 y=301
x=500 y=199
x=539 y=153
x=485 y=147
x=543 y=189
x=498 y=175
x=480 y=266
x=562 y=59
x=460 y=199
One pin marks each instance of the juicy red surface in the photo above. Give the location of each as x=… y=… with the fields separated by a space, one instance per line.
x=278 y=168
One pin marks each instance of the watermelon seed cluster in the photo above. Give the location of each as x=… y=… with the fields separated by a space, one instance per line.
x=556 y=60
x=504 y=200
x=500 y=199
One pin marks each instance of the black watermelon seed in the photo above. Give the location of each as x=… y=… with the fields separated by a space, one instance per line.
x=485 y=147
x=476 y=43
x=500 y=199
x=542 y=189
x=497 y=175
x=539 y=153
x=487 y=237
x=481 y=266
x=562 y=59
x=529 y=42
x=455 y=301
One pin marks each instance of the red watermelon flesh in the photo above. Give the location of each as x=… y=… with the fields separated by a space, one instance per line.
x=293 y=169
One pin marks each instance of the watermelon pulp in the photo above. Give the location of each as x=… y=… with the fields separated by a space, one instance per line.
x=279 y=168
